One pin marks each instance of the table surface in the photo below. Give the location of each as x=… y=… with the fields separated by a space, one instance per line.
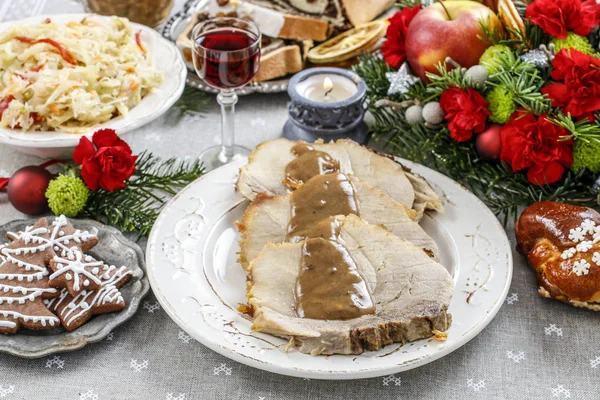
x=534 y=348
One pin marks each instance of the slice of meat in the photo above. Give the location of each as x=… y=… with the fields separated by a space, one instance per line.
x=411 y=292
x=425 y=197
x=265 y=171
x=266 y=220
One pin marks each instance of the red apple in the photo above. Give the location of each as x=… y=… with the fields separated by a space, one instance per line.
x=451 y=29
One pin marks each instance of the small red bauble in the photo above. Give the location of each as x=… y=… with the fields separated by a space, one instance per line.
x=26 y=190
x=488 y=143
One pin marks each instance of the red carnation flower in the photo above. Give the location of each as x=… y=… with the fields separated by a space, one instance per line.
x=579 y=92
x=467 y=112
x=394 y=51
x=533 y=142
x=106 y=161
x=556 y=17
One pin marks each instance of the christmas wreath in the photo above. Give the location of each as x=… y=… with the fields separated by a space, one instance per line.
x=502 y=96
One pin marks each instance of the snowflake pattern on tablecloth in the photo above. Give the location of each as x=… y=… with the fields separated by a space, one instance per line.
x=560 y=389
x=388 y=380
x=152 y=136
x=553 y=329
x=138 y=366
x=595 y=363
x=512 y=299
x=5 y=390
x=184 y=337
x=476 y=386
x=89 y=395
x=110 y=336
x=517 y=357
x=151 y=307
x=222 y=368
x=55 y=361
x=179 y=396
x=258 y=122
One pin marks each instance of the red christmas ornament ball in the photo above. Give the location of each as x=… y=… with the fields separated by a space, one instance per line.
x=488 y=143
x=26 y=190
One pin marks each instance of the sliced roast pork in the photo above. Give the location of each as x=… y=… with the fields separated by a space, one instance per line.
x=406 y=299
x=267 y=218
x=269 y=166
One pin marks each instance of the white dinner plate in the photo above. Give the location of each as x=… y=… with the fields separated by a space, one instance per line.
x=193 y=270
x=56 y=144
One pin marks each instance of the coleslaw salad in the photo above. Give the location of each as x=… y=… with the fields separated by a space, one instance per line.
x=73 y=75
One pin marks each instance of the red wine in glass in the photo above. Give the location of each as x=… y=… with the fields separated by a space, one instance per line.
x=227 y=58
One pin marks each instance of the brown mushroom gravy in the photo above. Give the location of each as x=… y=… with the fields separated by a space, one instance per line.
x=308 y=163
x=320 y=198
x=329 y=285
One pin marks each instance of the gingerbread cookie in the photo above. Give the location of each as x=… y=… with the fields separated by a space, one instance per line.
x=74 y=311
x=64 y=237
x=70 y=268
x=76 y=272
x=24 y=280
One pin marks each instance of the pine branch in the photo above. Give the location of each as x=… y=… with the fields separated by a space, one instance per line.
x=524 y=80
x=135 y=207
x=580 y=130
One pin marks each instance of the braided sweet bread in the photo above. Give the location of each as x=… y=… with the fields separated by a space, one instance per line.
x=562 y=243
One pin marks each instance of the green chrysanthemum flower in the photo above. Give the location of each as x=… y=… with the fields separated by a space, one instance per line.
x=67 y=195
x=490 y=59
x=502 y=104
x=575 y=41
x=586 y=155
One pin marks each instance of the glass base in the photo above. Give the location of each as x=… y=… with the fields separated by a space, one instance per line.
x=214 y=158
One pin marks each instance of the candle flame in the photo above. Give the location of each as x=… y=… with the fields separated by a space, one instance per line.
x=327 y=84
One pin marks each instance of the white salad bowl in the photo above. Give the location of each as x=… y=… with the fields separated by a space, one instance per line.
x=57 y=144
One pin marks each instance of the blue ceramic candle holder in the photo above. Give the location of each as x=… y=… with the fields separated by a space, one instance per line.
x=328 y=110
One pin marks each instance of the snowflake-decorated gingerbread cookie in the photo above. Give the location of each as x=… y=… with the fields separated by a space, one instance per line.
x=76 y=272
x=64 y=237
x=70 y=267
x=24 y=280
x=74 y=311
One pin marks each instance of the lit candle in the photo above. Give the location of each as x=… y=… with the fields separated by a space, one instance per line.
x=327 y=88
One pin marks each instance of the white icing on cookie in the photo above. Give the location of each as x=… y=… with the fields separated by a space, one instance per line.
x=86 y=299
x=77 y=266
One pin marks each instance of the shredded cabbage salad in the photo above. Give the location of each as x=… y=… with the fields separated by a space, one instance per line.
x=70 y=76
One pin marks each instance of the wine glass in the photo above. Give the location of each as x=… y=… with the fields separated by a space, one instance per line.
x=226 y=57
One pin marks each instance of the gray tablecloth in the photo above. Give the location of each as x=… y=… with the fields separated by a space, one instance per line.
x=534 y=348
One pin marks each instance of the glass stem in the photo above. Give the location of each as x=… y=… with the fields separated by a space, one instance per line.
x=227 y=99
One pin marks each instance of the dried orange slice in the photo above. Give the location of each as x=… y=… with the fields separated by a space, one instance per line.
x=349 y=44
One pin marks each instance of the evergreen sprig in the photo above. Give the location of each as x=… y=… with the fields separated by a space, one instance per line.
x=503 y=190
x=135 y=207
x=580 y=130
x=524 y=80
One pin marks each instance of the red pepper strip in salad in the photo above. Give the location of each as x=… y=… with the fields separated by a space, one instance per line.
x=4 y=104
x=38 y=68
x=138 y=40
x=63 y=52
